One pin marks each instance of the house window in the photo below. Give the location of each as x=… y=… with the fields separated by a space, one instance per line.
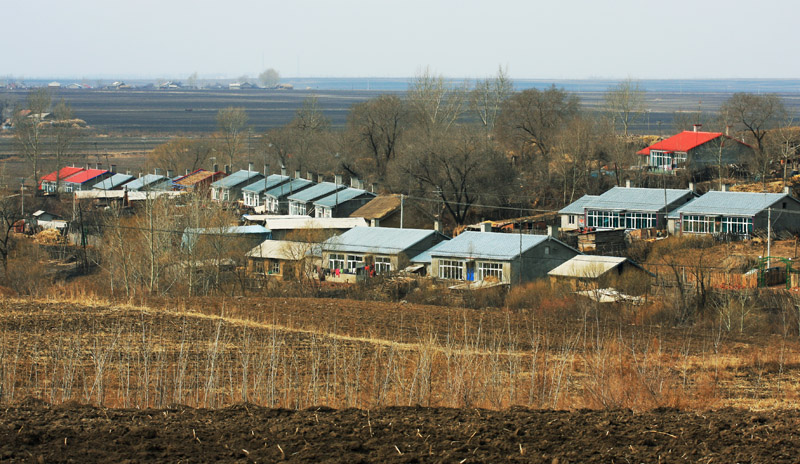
x=275 y=267
x=226 y=194
x=215 y=194
x=383 y=265
x=258 y=266
x=641 y=220
x=251 y=199
x=336 y=261
x=449 y=269
x=604 y=219
x=698 y=224
x=495 y=270
x=272 y=204
x=571 y=219
x=737 y=225
x=297 y=209
x=355 y=261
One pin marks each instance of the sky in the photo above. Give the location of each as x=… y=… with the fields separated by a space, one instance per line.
x=561 y=39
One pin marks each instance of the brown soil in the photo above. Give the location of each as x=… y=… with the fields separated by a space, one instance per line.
x=37 y=432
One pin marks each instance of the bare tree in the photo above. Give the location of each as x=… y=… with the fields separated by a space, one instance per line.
x=376 y=127
x=486 y=99
x=625 y=103
x=181 y=154
x=269 y=78
x=64 y=131
x=232 y=123
x=29 y=128
x=435 y=104
x=756 y=114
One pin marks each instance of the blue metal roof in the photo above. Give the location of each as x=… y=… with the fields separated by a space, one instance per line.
x=114 y=181
x=425 y=256
x=488 y=245
x=745 y=204
x=340 y=197
x=316 y=192
x=237 y=178
x=294 y=185
x=269 y=182
x=576 y=207
x=148 y=181
x=636 y=199
x=190 y=234
x=378 y=240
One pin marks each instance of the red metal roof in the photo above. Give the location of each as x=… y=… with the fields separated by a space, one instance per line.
x=62 y=174
x=684 y=142
x=85 y=175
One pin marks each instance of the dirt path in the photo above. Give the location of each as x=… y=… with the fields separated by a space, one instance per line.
x=37 y=432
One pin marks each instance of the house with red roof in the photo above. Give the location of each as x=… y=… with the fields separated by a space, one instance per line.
x=694 y=150
x=49 y=182
x=85 y=179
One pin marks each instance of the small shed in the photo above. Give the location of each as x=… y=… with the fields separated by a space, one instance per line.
x=591 y=271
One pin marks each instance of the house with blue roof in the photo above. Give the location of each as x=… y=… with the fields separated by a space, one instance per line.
x=738 y=214
x=253 y=194
x=495 y=257
x=573 y=216
x=302 y=203
x=386 y=248
x=229 y=189
x=342 y=203
x=115 y=182
x=627 y=208
x=276 y=199
x=149 y=182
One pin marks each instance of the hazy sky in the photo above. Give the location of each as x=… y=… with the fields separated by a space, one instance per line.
x=373 y=38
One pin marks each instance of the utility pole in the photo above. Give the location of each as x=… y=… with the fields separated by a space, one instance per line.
x=769 y=234
x=401 y=210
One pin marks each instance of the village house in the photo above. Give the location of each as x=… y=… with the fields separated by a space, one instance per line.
x=302 y=203
x=304 y=227
x=283 y=259
x=84 y=180
x=341 y=203
x=739 y=214
x=196 y=181
x=149 y=182
x=276 y=199
x=48 y=183
x=625 y=208
x=383 y=211
x=229 y=189
x=253 y=194
x=384 y=249
x=115 y=182
x=495 y=257
x=584 y=272
x=694 y=150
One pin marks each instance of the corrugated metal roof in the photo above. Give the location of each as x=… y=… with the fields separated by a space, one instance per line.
x=148 y=181
x=316 y=192
x=231 y=230
x=271 y=181
x=283 y=249
x=378 y=240
x=85 y=176
x=195 y=177
x=683 y=142
x=294 y=185
x=306 y=222
x=237 y=178
x=576 y=207
x=114 y=181
x=425 y=256
x=731 y=204
x=379 y=207
x=587 y=266
x=62 y=173
x=489 y=245
x=636 y=199
x=338 y=198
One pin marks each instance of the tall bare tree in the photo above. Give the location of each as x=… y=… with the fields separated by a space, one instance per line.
x=486 y=99
x=756 y=115
x=182 y=153
x=435 y=105
x=376 y=127
x=65 y=130
x=625 y=103
x=232 y=124
x=29 y=128
x=269 y=78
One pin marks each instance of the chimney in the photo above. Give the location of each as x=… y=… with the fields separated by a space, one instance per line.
x=140 y=174
x=227 y=169
x=486 y=226
x=250 y=167
x=374 y=187
x=691 y=186
x=375 y=222
x=320 y=178
x=87 y=166
x=296 y=173
x=354 y=182
x=360 y=184
x=627 y=183
x=337 y=179
x=216 y=168
x=787 y=190
x=724 y=187
x=156 y=171
x=728 y=130
x=283 y=171
x=552 y=231
x=697 y=127
x=310 y=175
x=170 y=173
x=186 y=173
x=98 y=166
x=114 y=168
x=437 y=226
x=128 y=172
x=266 y=170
